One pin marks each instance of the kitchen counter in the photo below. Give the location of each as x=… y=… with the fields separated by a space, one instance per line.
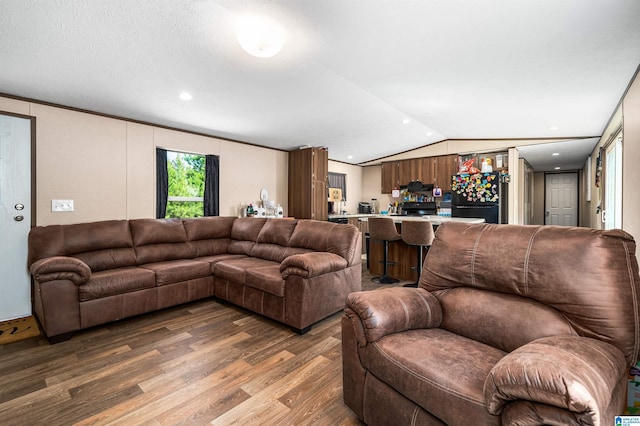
x=436 y=220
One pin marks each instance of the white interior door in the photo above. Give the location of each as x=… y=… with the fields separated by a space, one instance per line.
x=561 y=199
x=15 y=216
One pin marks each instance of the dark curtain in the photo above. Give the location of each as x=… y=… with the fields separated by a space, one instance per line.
x=162 y=183
x=212 y=185
x=339 y=180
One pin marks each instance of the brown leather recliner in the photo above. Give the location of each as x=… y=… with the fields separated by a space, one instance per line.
x=512 y=325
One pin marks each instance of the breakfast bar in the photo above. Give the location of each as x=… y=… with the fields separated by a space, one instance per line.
x=402 y=254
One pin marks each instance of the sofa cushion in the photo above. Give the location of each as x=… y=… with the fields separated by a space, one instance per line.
x=437 y=370
x=244 y=234
x=335 y=238
x=266 y=278
x=209 y=235
x=158 y=240
x=116 y=281
x=235 y=269
x=277 y=231
x=504 y=321
x=212 y=260
x=174 y=271
x=101 y=245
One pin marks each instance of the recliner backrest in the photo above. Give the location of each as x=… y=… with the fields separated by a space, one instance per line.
x=506 y=285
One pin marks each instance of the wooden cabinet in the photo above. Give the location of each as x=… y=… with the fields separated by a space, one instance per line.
x=436 y=170
x=410 y=170
x=389 y=176
x=308 y=174
x=445 y=166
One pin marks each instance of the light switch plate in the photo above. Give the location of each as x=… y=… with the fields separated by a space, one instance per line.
x=61 y=205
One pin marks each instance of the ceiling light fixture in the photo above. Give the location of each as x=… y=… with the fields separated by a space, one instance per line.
x=555 y=154
x=349 y=157
x=556 y=168
x=185 y=96
x=553 y=128
x=429 y=133
x=260 y=37
x=406 y=121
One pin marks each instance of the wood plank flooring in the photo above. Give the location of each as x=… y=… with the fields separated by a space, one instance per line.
x=206 y=362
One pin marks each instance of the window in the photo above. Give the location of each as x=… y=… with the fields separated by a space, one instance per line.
x=338 y=180
x=612 y=214
x=187 y=184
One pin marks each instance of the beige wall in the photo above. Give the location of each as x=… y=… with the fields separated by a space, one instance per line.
x=631 y=158
x=107 y=166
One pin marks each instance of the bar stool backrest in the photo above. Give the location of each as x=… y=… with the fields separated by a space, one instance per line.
x=383 y=228
x=417 y=232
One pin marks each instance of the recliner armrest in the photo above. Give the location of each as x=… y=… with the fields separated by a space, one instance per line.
x=61 y=268
x=575 y=373
x=312 y=264
x=393 y=310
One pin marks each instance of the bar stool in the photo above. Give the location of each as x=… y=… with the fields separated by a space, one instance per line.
x=383 y=228
x=417 y=233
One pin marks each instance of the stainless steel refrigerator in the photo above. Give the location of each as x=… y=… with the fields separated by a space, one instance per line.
x=482 y=195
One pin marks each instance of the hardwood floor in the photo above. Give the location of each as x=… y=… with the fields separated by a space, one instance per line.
x=205 y=362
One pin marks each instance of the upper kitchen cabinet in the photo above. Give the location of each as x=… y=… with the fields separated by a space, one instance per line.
x=389 y=176
x=445 y=166
x=308 y=175
x=410 y=170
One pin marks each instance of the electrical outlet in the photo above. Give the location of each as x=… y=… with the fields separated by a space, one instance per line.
x=61 y=205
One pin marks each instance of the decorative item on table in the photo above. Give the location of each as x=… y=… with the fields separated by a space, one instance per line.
x=261 y=212
x=279 y=211
x=250 y=210
x=437 y=191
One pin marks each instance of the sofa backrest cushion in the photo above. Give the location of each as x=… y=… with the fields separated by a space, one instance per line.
x=244 y=234
x=273 y=240
x=158 y=240
x=588 y=277
x=101 y=245
x=208 y=236
x=340 y=239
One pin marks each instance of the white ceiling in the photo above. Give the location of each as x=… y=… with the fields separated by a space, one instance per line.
x=349 y=73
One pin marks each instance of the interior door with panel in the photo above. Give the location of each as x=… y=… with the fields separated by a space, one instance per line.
x=561 y=200
x=15 y=216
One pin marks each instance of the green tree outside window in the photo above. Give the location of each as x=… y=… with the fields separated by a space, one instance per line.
x=186 y=185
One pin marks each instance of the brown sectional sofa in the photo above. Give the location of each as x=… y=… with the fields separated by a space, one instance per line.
x=511 y=325
x=296 y=272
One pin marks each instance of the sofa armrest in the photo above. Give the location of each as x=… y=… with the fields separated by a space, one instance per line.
x=312 y=264
x=61 y=268
x=393 y=310
x=575 y=373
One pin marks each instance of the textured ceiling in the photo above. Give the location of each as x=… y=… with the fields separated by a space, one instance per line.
x=350 y=71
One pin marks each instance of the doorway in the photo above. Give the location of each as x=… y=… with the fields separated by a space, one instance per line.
x=16 y=138
x=561 y=199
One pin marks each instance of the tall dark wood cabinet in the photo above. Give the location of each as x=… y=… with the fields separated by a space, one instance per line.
x=308 y=176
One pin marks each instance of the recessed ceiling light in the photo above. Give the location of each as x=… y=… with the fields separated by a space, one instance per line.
x=406 y=121
x=260 y=36
x=553 y=128
x=429 y=133
x=556 y=168
x=555 y=154
x=186 y=96
x=349 y=157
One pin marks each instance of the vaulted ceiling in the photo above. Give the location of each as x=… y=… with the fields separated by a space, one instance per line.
x=365 y=78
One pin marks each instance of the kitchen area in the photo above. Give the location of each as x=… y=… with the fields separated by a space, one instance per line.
x=473 y=191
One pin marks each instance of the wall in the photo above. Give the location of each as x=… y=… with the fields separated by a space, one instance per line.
x=631 y=156
x=538 y=198
x=107 y=166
